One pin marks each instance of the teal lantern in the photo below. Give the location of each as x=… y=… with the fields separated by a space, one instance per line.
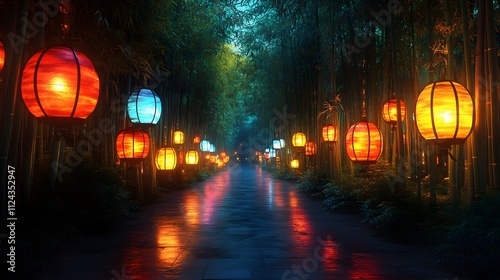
x=205 y=146
x=144 y=107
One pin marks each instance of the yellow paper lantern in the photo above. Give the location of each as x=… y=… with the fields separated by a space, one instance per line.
x=445 y=113
x=329 y=133
x=390 y=111
x=364 y=143
x=299 y=139
x=178 y=137
x=294 y=164
x=166 y=158
x=192 y=157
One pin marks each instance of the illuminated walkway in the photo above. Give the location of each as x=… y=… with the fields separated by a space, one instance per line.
x=242 y=224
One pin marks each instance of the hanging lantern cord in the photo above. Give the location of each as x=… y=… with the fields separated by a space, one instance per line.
x=363 y=80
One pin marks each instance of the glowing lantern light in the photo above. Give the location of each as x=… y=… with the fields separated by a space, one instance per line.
x=212 y=148
x=294 y=164
x=276 y=144
x=266 y=150
x=311 y=149
x=226 y=159
x=272 y=153
x=299 y=139
x=144 y=107
x=364 y=143
x=60 y=86
x=207 y=156
x=220 y=164
x=132 y=145
x=329 y=133
x=196 y=140
x=205 y=146
x=178 y=137
x=390 y=111
x=445 y=113
x=213 y=159
x=2 y=57
x=166 y=158
x=223 y=154
x=192 y=157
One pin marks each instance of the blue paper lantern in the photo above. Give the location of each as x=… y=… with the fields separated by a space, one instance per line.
x=212 y=148
x=205 y=146
x=144 y=107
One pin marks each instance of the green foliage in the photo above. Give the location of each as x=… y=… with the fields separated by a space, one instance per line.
x=311 y=183
x=472 y=237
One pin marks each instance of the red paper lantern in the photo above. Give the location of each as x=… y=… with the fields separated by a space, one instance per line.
x=60 y=86
x=196 y=140
x=390 y=111
x=2 y=57
x=132 y=145
x=364 y=143
x=310 y=149
x=329 y=133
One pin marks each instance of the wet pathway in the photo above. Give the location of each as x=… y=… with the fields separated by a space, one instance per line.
x=242 y=224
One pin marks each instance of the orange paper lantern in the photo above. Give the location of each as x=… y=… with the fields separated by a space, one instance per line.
x=390 y=111
x=166 y=158
x=196 y=140
x=2 y=57
x=60 y=86
x=329 y=133
x=364 y=143
x=310 y=149
x=445 y=113
x=294 y=163
x=132 y=145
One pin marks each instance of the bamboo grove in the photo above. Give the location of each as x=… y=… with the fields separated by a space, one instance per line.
x=328 y=58
x=226 y=69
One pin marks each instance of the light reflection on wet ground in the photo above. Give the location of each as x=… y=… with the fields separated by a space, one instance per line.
x=242 y=224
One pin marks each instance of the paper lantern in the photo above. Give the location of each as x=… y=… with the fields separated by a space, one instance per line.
x=364 y=143
x=132 y=145
x=299 y=139
x=144 y=107
x=213 y=159
x=390 y=111
x=205 y=146
x=60 y=86
x=276 y=144
x=178 y=137
x=311 y=149
x=222 y=154
x=294 y=163
x=196 y=140
x=2 y=57
x=212 y=148
x=272 y=153
x=166 y=158
x=329 y=133
x=192 y=157
x=445 y=113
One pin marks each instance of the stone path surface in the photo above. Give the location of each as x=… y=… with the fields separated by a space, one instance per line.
x=243 y=224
